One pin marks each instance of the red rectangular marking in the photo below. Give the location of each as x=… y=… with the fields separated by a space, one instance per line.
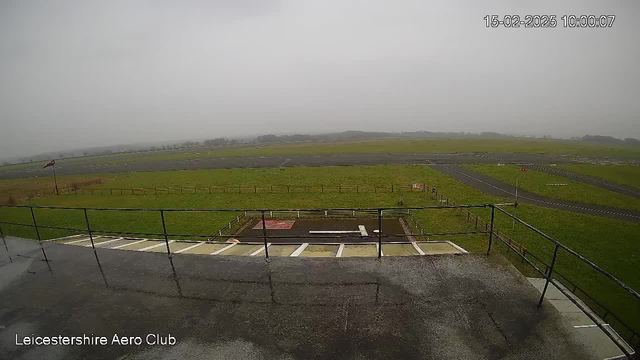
x=275 y=224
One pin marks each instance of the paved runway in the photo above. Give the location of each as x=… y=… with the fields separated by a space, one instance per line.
x=495 y=187
x=89 y=167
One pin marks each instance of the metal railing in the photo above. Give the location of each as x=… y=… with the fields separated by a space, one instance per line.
x=378 y=213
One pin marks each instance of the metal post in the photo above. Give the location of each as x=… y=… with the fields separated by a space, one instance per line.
x=493 y=214
x=54 y=177
x=379 y=233
x=5 y=244
x=549 y=274
x=164 y=231
x=33 y=216
x=264 y=236
x=86 y=219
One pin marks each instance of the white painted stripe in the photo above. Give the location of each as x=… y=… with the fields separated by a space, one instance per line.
x=340 y=250
x=127 y=244
x=377 y=249
x=104 y=242
x=363 y=231
x=224 y=249
x=299 y=250
x=333 y=232
x=65 y=237
x=155 y=246
x=457 y=247
x=586 y=326
x=76 y=241
x=189 y=248
x=259 y=250
x=417 y=248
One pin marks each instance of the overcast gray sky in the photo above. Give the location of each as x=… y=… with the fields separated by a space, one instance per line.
x=84 y=73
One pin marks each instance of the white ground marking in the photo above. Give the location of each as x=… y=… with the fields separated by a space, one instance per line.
x=340 y=250
x=334 y=232
x=457 y=247
x=64 y=238
x=363 y=231
x=135 y=242
x=377 y=249
x=106 y=242
x=223 y=249
x=155 y=246
x=299 y=250
x=417 y=248
x=259 y=250
x=587 y=326
x=189 y=248
x=76 y=241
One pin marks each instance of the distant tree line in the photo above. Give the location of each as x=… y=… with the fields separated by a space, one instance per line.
x=611 y=140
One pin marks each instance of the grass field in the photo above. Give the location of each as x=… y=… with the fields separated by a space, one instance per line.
x=625 y=175
x=535 y=181
x=532 y=146
x=609 y=243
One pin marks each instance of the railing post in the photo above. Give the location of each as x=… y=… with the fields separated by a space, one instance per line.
x=493 y=215
x=164 y=231
x=379 y=234
x=264 y=236
x=549 y=273
x=33 y=216
x=86 y=219
x=5 y=244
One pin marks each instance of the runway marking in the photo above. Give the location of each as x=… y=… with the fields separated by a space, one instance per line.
x=457 y=247
x=259 y=250
x=224 y=249
x=286 y=161
x=299 y=250
x=104 y=242
x=417 y=248
x=189 y=248
x=587 y=326
x=76 y=241
x=340 y=250
x=363 y=231
x=128 y=244
x=155 y=246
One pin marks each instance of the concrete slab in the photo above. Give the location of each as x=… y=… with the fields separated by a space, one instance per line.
x=360 y=251
x=565 y=305
x=113 y=244
x=241 y=249
x=399 y=250
x=174 y=246
x=280 y=250
x=320 y=251
x=206 y=249
x=140 y=245
x=599 y=342
x=437 y=248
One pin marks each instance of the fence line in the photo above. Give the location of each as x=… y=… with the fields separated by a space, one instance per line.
x=247 y=188
x=549 y=270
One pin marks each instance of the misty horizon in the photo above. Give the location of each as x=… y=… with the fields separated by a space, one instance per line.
x=92 y=74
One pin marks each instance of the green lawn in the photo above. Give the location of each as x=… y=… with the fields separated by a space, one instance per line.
x=535 y=181
x=611 y=244
x=625 y=175
x=532 y=146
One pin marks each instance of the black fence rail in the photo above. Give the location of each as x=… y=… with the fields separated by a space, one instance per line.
x=571 y=290
x=245 y=188
x=547 y=270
